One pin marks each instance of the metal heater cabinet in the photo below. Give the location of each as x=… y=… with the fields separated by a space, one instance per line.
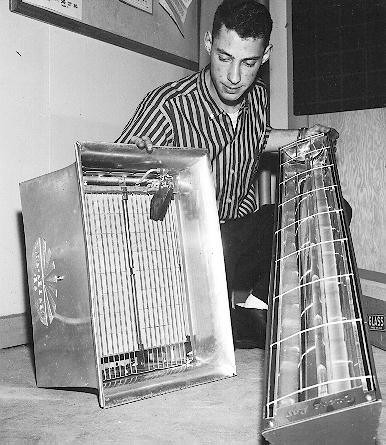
x=129 y=305
x=320 y=375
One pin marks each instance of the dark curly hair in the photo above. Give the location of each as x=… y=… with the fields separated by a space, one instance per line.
x=247 y=17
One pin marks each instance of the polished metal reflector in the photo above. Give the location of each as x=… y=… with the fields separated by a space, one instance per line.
x=126 y=273
x=321 y=380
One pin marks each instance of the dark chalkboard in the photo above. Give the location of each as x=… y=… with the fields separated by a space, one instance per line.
x=339 y=55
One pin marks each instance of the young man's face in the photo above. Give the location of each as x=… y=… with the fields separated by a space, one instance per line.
x=234 y=64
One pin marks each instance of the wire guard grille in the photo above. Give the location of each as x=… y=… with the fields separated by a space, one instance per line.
x=137 y=285
x=316 y=345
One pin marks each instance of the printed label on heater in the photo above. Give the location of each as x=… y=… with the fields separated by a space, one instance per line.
x=376 y=322
x=320 y=405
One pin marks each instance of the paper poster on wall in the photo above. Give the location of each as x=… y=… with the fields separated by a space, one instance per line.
x=137 y=25
x=70 y=8
x=177 y=9
x=144 y=5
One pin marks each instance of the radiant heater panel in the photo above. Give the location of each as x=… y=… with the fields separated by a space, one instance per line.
x=137 y=283
x=125 y=304
x=321 y=378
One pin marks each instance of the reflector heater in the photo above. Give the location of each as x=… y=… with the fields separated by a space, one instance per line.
x=320 y=375
x=122 y=302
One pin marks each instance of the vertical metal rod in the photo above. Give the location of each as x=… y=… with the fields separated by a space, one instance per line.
x=129 y=222
x=129 y=258
x=120 y=271
x=158 y=319
x=116 y=275
x=152 y=275
x=123 y=274
x=137 y=276
x=124 y=289
x=164 y=271
x=148 y=272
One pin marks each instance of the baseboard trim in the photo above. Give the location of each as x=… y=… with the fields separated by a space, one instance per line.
x=372 y=275
x=15 y=329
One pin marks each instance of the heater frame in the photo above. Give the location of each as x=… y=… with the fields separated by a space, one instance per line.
x=66 y=344
x=346 y=417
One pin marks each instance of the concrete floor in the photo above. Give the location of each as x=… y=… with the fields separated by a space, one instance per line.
x=224 y=412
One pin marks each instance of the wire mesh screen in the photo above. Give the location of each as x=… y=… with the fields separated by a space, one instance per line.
x=137 y=283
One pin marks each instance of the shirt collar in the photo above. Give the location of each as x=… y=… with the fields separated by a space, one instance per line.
x=210 y=105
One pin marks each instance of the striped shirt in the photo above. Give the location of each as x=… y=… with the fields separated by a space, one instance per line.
x=183 y=114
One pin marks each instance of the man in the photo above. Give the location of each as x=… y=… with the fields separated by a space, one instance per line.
x=224 y=108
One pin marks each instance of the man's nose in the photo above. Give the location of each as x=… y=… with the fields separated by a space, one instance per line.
x=234 y=73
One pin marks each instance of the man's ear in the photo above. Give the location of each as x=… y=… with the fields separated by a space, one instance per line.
x=208 y=41
x=267 y=53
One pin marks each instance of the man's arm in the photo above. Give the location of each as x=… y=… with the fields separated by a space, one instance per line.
x=278 y=138
x=149 y=125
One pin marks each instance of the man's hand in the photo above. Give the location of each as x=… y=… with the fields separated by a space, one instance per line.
x=303 y=147
x=143 y=143
x=318 y=128
x=280 y=138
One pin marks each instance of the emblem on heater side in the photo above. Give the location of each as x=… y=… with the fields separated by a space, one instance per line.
x=44 y=292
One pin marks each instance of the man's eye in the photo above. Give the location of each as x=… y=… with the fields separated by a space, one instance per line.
x=250 y=64
x=223 y=59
